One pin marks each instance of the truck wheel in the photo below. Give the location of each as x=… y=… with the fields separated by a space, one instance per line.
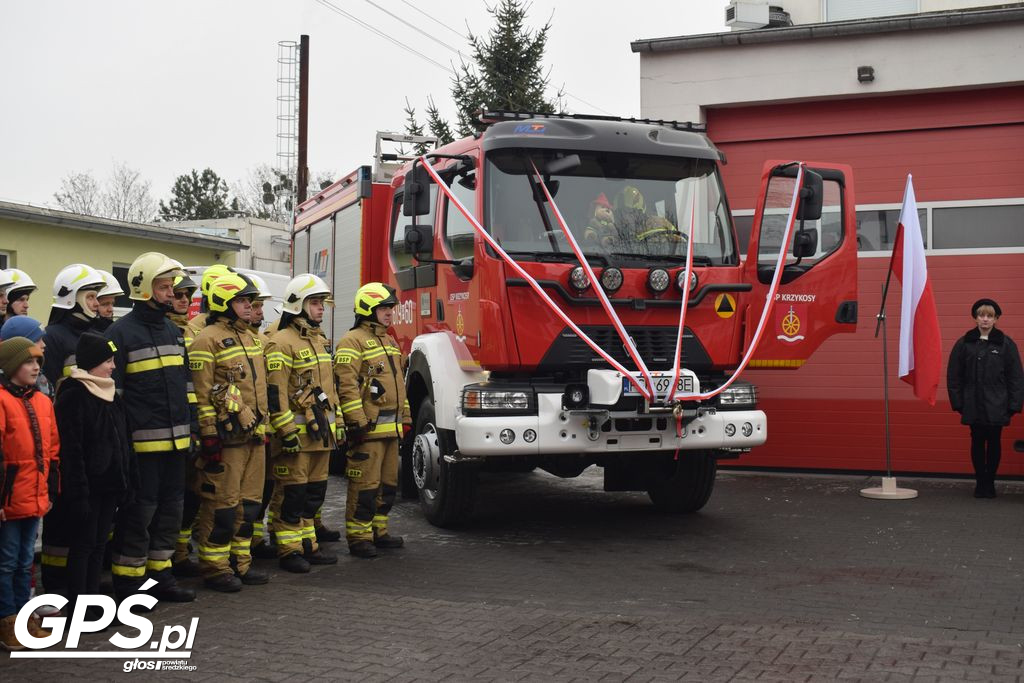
x=683 y=485
x=447 y=491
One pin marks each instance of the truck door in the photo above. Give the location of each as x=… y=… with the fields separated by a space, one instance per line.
x=817 y=295
x=414 y=280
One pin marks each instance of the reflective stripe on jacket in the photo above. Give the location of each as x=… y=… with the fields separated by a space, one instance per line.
x=368 y=358
x=224 y=353
x=298 y=357
x=151 y=372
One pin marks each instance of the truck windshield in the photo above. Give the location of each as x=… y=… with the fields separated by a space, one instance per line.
x=631 y=210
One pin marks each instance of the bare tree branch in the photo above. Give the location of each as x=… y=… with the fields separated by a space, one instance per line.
x=79 y=193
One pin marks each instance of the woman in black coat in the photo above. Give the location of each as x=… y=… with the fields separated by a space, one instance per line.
x=986 y=386
x=97 y=468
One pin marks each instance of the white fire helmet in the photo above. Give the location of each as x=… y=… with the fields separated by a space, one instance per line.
x=73 y=279
x=111 y=287
x=303 y=287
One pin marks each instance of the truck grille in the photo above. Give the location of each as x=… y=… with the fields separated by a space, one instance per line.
x=656 y=346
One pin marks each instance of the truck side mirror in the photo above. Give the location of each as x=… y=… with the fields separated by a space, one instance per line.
x=805 y=243
x=419 y=239
x=416 y=201
x=811 y=197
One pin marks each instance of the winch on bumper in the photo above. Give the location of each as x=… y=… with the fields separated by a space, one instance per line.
x=552 y=427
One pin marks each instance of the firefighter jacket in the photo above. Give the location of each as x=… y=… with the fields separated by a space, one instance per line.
x=298 y=363
x=61 y=341
x=181 y=322
x=197 y=323
x=151 y=373
x=29 y=447
x=370 y=371
x=230 y=377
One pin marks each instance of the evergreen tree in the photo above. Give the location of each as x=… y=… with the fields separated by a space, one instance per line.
x=198 y=196
x=506 y=72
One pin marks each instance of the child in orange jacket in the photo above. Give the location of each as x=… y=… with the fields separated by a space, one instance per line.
x=28 y=469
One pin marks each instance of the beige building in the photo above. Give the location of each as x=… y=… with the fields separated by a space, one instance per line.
x=41 y=241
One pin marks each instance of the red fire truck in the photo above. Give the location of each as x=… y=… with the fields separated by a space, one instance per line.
x=541 y=268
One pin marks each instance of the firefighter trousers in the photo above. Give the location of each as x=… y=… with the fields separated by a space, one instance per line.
x=302 y=479
x=229 y=501
x=190 y=508
x=147 y=527
x=372 y=471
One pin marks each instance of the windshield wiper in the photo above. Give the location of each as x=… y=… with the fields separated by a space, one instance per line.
x=671 y=258
x=557 y=256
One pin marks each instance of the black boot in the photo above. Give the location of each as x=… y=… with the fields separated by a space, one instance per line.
x=223 y=583
x=186 y=569
x=364 y=549
x=264 y=551
x=254 y=577
x=325 y=535
x=172 y=592
x=388 y=541
x=295 y=563
x=320 y=557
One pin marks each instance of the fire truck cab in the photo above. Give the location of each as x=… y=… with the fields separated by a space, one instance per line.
x=497 y=379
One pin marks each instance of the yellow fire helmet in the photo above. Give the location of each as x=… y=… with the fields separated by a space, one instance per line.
x=148 y=267
x=228 y=287
x=374 y=294
x=303 y=287
x=211 y=274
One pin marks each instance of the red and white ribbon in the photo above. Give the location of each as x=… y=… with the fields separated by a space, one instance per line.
x=486 y=237
x=627 y=341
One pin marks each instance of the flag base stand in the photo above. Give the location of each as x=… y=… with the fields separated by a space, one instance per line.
x=888 y=491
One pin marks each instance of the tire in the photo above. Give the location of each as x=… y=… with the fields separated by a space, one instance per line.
x=683 y=485
x=447 y=495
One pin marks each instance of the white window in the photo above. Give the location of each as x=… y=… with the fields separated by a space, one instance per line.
x=5 y=260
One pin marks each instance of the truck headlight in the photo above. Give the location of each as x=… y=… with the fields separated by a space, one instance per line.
x=739 y=396
x=480 y=400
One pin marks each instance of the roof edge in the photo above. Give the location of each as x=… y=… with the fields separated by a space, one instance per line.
x=837 y=29
x=36 y=214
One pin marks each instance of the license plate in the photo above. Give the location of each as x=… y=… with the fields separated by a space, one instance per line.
x=661 y=385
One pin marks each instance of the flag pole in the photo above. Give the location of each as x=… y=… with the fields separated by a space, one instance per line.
x=889 y=490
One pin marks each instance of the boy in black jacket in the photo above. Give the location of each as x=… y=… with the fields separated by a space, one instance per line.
x=97 y=470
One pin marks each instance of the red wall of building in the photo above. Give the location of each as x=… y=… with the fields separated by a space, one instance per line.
x=959 y=146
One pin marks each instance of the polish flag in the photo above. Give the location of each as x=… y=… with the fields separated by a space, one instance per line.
x=920 y=349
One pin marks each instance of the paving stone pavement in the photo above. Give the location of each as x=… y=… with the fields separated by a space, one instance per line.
x=780 y=577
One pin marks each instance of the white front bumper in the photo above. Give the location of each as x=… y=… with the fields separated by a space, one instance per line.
x=559 y=431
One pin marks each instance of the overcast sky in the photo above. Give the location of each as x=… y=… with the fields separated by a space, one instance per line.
x=170 y=86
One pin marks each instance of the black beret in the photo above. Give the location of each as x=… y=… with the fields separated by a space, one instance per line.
x=985 y=302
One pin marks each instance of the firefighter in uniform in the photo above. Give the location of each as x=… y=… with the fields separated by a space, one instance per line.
x=181 y=564
x=259 y=548
x=105 y=299
x=151 y=373
x=303 y=401
x=210 y=275
x=73 y=312
x=371 y=386
x=229 y=372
